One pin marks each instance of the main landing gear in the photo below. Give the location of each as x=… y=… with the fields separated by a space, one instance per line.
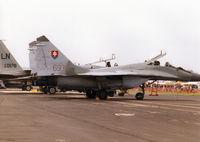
x=26 y=88
x=48 y=89
x=140 y=96
x=102 y=94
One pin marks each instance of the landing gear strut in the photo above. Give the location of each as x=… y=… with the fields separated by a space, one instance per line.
x=44 y=89
x=140 y=96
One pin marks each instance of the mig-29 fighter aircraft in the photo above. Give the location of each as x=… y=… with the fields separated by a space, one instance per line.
x=10 y=70
x=52 y=69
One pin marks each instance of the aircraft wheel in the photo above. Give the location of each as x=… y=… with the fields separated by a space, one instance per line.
x=63 y=90
x=121 y=94
x=102 y=95
x=52 y=90
x=28 y=88
x=111 y=93
x=139 y=96
x=90 y=94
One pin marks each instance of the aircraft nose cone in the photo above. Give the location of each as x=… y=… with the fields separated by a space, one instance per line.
x=195 y=77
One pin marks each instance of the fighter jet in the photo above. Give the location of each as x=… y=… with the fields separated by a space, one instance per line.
x=52 y=69
x=10 y=70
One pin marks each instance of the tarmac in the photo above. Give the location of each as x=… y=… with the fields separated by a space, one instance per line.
x=70 y=117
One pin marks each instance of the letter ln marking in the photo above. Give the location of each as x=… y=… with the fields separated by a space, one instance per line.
x=5 y=56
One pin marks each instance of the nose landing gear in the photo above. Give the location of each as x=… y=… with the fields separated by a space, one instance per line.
x=140 y=96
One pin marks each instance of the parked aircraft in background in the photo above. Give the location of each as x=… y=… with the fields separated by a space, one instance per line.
x=10 y=70
x=52 y=69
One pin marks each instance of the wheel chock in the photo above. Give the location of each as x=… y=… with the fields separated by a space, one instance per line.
x=97 y=98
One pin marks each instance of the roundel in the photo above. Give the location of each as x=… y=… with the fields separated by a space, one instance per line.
x=54 y=54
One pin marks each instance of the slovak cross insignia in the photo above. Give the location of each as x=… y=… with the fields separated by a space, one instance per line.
x=54 y=54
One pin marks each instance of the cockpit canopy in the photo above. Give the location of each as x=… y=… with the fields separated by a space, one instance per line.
x=167 y=64
x=156 y=63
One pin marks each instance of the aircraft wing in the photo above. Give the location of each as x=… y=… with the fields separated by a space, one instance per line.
x=139 y=73
x=114 y=73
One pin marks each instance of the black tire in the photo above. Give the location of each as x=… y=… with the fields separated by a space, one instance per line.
x=63 y=90
x=121 y=94
x=90 y=94
x=102 y=95
x=139 y=96
x=28 y=87
x=111 y=94
x=52 y=90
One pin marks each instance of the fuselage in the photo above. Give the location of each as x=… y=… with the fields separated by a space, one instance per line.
x=124 y=77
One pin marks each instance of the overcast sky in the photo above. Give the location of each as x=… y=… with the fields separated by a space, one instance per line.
x=86 y=30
